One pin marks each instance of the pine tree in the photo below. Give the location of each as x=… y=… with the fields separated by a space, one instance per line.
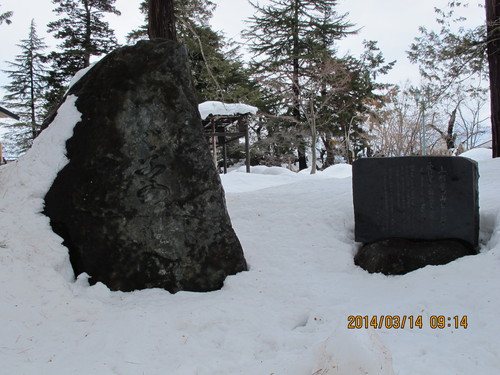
x=188 y=14
x=453 y=53
x=84 y=34
x=341 y=92
x=5 y=17
x=26 y=88
x=288 y=37
x=218 y=72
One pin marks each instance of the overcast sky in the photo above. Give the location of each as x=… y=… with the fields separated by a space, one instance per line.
x=393 y=23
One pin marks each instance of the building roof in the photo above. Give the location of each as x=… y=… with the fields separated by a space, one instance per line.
x=7 y=114
x=213 y=108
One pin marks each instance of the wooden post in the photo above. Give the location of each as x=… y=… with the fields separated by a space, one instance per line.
x=247 y=148
x=214 y=145
x=161 y=19
x=1 y=155
x=224 y=154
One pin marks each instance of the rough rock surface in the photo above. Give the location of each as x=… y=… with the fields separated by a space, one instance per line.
x=397 y=256
x=416 y=197
x=140 y=204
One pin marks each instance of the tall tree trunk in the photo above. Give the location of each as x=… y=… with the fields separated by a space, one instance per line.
x=32 y=101
x=301 y=149
x=314 y=138
x=493 y=30
x=88 y=34
x=161 y=20
x=330 y=152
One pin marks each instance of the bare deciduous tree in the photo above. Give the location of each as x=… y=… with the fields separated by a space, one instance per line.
x=471 y=123
x=396 y=129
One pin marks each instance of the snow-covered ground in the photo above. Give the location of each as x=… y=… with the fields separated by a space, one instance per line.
x=287 y=315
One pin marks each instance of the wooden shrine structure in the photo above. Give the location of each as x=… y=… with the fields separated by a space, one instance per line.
x=226 y=123
x=4 y=113
x=224 y=129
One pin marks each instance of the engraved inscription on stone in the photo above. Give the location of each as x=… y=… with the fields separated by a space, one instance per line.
x=425 y=198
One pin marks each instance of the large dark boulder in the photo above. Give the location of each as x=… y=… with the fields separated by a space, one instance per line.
x=140 y=204
x=398 y=256
x=414 y=211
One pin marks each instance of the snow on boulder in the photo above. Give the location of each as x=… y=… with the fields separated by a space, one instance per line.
x=215 y=108
x=25 y=232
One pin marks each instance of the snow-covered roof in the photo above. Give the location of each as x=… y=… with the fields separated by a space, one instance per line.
x=215 y=108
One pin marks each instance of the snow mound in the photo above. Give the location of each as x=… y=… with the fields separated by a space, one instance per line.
x=274 y=171
x=334 y=171
x=26 y=236
x=358 y=352
x=260 y=177
x=478 y=154
x=338 y=171
x=215 y=108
